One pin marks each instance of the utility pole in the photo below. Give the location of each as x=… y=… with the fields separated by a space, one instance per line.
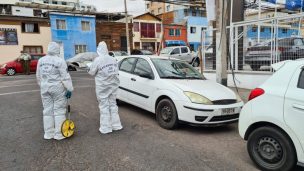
x=221 y=42
x=127 y=28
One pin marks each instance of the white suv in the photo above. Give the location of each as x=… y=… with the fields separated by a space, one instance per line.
x=273 y=120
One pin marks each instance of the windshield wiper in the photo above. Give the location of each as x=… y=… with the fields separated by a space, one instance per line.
x=172 y=77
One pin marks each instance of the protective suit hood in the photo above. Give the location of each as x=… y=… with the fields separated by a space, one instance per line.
x=102 y=49
x=53 y=49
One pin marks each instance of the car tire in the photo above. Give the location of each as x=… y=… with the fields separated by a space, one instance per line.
x=166 y=114
x=11 y=71
x=119 y=102
x=70 y=68
x=196 y=62
x=271 y=149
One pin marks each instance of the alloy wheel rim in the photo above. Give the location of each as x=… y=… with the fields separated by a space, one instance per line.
x=10 y=72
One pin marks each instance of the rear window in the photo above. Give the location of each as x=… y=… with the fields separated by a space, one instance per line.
x=184 y=50
x=301 y=80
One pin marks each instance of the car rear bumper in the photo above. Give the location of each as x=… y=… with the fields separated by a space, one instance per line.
x=207 y=114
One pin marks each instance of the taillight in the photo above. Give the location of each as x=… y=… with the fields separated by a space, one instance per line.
x=256 y=93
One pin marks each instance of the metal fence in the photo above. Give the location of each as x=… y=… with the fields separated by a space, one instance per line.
x=255 y=45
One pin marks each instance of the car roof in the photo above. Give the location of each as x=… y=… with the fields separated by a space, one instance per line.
x=150 y=57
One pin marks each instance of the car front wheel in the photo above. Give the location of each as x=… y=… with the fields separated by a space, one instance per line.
x=196 y=62
x=271 y=149
x=166 y=114
x=11 y=72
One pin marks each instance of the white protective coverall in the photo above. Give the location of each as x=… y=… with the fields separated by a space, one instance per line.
x=105 y=70
x=54 y=82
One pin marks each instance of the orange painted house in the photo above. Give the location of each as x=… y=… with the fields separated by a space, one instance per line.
x=174 y=34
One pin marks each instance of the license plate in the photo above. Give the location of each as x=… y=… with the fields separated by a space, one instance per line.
x=228 y=111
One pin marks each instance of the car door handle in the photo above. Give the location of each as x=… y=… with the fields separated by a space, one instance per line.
x=297 y=106
x=133 y=79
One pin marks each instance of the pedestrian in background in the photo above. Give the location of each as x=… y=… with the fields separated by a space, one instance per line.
x=25 y=60
x=105 y=70
x=56 y=87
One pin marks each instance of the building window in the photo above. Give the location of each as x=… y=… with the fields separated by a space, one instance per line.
x=64 y=3
x=193 y=13
x=136 y=27
x=186 y=12
x=192 y=30
x=284 y=30
x=159 y=10
x=37 y=13
x=80 y=49
x=147 y=30
x=46 y=1
x=33 y=49
x=168 y=8
x=54 y=2
x=30 y=28
x=262 y=29
x=171 y=32
x=61 y=25
x=148 y=6
x=254 y=29
x=158 y=28
x=85 y=25
x=177 y=32
x=152 y=12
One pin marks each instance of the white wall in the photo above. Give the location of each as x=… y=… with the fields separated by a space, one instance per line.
x=195 y=37
x=243 y=80
x=22 y=11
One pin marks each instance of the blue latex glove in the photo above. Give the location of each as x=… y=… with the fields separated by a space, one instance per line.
x=68 y=94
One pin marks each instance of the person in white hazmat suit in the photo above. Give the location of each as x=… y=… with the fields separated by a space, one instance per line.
x=105 y=70
x=56 y=87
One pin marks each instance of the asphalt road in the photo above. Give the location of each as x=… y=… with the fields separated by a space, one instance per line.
x=141 y=145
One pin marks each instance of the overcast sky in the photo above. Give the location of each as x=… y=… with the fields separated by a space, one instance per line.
x=135 y=7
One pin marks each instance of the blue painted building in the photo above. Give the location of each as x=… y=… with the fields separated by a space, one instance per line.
x=196 y=22
x=266 y=32
x=74 y=32
x=195 y=26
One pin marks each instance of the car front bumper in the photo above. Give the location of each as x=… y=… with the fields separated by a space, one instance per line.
x=3 y=71
x=207 y=114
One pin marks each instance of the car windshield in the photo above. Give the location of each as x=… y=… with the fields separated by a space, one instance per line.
x=175 y=69
x=166 y=51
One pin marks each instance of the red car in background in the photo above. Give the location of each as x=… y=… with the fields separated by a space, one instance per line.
x=13 y=67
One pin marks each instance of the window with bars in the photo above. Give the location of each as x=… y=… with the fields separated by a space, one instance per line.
x=147 y=30
x=171 y=32
x=85 y=25
x=61 y=24
x=80 y=49
x=158 y=28
x=177 y=32
x=33 y=49
x=136 y=27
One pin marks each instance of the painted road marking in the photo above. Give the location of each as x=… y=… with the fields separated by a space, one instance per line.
x=31 y=91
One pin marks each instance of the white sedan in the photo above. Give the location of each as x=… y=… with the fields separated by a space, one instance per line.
x=272 y=120
x=175 y=91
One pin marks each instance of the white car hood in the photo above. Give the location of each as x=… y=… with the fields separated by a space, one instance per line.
x=209 y=89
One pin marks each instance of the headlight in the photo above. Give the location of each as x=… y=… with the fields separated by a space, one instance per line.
x=3 y=66
x=196 y=98
x=238 y=98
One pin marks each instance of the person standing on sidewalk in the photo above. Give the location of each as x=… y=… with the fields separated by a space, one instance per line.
x=25 y=59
